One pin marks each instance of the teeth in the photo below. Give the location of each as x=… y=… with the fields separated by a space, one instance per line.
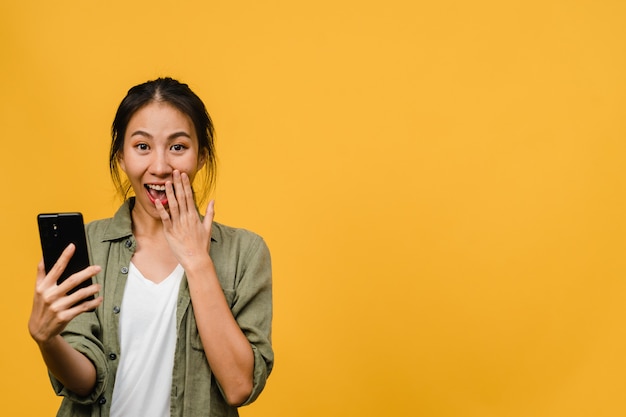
x=156 y=187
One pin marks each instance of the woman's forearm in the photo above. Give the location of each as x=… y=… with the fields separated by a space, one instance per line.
x=227 y=349
x=69 y=366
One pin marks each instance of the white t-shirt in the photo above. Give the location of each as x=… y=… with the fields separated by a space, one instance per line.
x=147 y=342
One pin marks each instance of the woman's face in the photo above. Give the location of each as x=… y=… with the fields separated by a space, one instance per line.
x=159 y=139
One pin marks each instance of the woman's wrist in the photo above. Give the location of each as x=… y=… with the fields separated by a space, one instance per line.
x=49 y=343
x=198 y=266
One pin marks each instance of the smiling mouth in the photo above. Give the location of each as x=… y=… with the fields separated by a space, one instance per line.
x=156 y=192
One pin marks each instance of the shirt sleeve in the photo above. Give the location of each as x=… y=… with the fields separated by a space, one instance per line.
x=252 y=308
x=81 y=333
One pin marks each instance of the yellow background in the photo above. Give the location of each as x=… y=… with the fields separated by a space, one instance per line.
x=441 y=183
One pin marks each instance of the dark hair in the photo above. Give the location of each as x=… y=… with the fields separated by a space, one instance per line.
x=180 y=96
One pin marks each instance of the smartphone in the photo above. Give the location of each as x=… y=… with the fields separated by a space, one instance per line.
x=57 y=231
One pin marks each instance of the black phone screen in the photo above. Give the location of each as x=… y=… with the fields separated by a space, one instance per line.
x=57 y=231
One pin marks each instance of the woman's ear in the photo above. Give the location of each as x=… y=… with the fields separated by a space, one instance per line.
x=202 y=160
x=120 y=161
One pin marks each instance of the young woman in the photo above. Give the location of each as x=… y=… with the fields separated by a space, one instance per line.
x=183 y=305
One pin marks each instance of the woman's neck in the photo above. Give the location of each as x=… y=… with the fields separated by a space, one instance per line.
x=144 y=224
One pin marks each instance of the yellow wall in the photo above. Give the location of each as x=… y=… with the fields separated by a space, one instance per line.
x=441 y=184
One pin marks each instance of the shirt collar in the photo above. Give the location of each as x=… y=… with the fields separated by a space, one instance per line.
x=120 y=225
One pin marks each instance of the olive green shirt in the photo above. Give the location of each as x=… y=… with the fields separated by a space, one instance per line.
x=242 y=262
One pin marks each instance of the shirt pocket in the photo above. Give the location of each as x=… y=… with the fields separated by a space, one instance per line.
x=196 y=342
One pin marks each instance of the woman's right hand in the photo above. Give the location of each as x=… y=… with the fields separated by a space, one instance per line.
x=53 y=309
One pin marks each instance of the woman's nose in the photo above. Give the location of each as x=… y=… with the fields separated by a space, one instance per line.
x=160 y=164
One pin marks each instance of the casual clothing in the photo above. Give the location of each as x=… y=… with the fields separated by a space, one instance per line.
x=147 y=332
x=242 y=263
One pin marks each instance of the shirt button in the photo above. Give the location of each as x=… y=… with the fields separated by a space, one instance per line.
x=102 y=400
x=112 y=356
x=128 y=243
x=116 y=310
x=124 y=270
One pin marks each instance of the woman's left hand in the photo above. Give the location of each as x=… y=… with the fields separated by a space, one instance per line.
x=226 y=347
x=188 y=236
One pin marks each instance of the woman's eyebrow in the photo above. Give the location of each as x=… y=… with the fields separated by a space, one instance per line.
x=141 y=133
x=176 y=135
x=173 y=136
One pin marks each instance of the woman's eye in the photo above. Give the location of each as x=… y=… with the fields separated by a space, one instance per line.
x=142 y=147
x=178 y=147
